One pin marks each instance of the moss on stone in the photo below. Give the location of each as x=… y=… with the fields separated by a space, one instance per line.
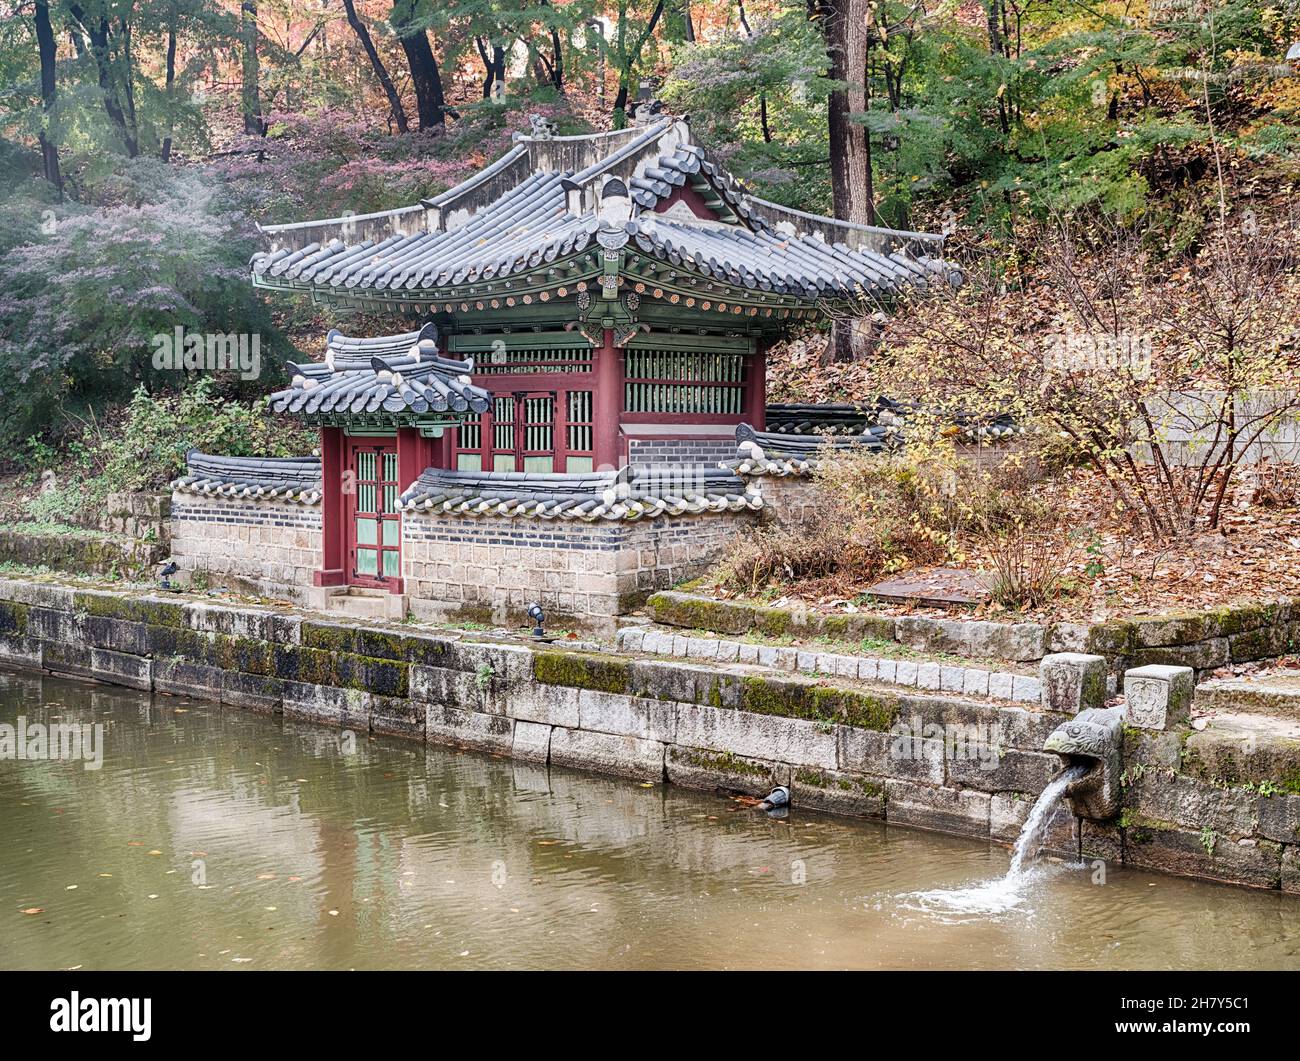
x=300 y=663
x=384 y=677
x=330 y=637
x=777 y=696
x=725 y=763
x=700 y=613
x=579 y=671
x=773 y=622
x=814 y=778
x=1116 y=638
x=817 y=703
x=13 y=618
x=134 y=609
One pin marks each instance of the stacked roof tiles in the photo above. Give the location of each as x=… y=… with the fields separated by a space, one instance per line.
x=295 y=479
x=396 y=374
x=537 y=217
x=630 y=494
x=853 y=419
x=772 y=453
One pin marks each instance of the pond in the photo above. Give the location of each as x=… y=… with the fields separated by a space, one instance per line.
x=212 y=838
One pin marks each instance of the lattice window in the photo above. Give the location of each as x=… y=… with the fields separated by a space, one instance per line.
x=504 y=360
x=684 y=382
x=578 y=433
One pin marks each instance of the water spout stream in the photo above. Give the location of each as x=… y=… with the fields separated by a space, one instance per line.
x=1001 y=894
x=1031 y=833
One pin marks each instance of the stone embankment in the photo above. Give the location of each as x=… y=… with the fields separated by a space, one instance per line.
x=1221 y=802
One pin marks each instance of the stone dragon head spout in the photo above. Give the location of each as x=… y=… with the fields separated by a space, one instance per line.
x=1092 y=739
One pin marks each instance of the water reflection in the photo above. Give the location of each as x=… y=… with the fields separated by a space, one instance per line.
x=214 y=838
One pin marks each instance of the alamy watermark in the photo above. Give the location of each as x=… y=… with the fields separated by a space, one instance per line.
x=181 y=351
x=982 y=742
x=1099 y=353
x=25 y=741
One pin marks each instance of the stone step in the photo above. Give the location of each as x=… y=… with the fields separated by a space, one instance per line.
x=913 y=672
x=361 y=603
x=1276 y=694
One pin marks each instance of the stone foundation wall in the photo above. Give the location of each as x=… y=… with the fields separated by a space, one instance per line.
x=791 y=500
x=1194 y=803
x=1201 y=640
x=142 y=516
x=80 y=552
x=267 y=548
x=582 y=574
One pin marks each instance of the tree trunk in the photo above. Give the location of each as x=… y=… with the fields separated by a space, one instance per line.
x=494 y=65
x=426 y=79
x=49 y=89
x=250 y=100
x=97 y=32
x=845 y=23
x=395 y=107
x=166 y=153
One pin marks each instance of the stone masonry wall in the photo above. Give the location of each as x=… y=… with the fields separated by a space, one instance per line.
x=1238 y=633
x=789 y=499
x=704 y=725
x=269 y=548
x=581 y=573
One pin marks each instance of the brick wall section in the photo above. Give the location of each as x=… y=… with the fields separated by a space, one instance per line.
x=702 y=724
x=581 y=573
x=271 y=548
x=709 y=452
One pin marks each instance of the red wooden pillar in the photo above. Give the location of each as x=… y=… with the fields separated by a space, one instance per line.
x=332 y=570
x=414 y=455
x=606 y=403
x=756 y=388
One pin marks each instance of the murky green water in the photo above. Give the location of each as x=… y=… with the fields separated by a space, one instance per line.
x=212 y=838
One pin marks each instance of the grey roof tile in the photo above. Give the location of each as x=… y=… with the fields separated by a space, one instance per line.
x=531 y=222
x=401 y=373
x=629 y=494
x=295 y=479
x=772 y=453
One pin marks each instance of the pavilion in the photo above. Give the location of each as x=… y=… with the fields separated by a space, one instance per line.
x=581 y=311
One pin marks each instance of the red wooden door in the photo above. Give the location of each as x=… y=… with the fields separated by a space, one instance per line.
x=374 y=527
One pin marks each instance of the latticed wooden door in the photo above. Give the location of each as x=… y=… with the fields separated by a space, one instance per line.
x=374 y=524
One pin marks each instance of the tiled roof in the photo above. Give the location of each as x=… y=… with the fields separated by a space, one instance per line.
x=630 y=494
x=853 y=419
x=772 y=453
x=526 y=212
x=392 y=374
x=266 y=478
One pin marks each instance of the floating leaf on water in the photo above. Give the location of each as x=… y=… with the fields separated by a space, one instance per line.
x=34 y=910
x=155 y=851
x=333 y=913
x=70 y=888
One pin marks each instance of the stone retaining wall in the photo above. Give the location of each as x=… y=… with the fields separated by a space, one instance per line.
x=952 y=764
x=1200 y=640
x=79 y=552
